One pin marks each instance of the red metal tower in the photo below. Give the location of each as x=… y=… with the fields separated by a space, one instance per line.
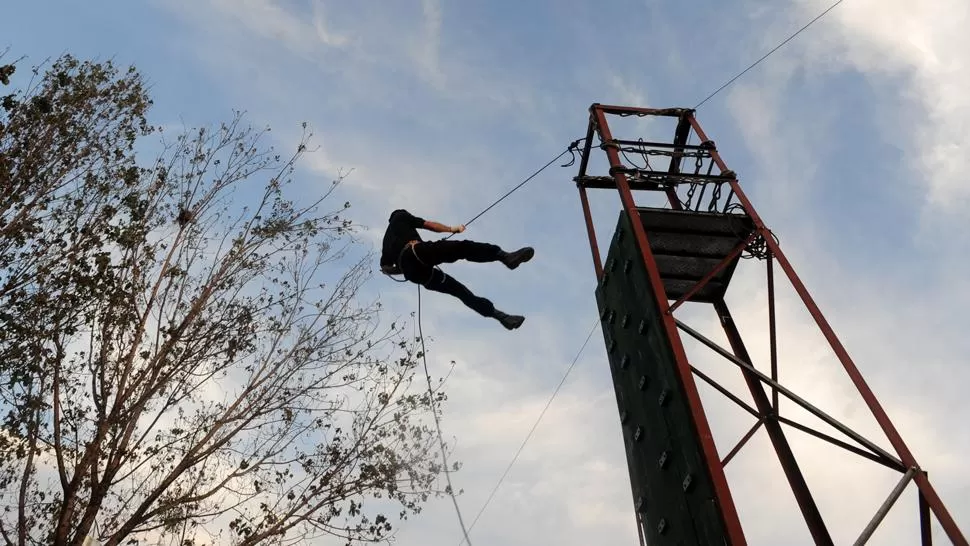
x=687 y=251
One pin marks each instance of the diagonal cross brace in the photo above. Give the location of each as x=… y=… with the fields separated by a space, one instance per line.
x=886 y=506
x=836 y=442
x=730 y=395
x=896 y=463
x=744 y=439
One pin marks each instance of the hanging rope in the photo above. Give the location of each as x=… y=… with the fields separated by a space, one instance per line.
x=534 y=425
x=437 y=424
x=424 y=359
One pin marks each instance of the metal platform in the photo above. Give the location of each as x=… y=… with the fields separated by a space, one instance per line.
x=688 y=245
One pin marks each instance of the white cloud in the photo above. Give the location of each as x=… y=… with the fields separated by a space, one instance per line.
x=324 y=32
x=915 y=61
x=269 y=19
x=564 y=486
x=429 y=42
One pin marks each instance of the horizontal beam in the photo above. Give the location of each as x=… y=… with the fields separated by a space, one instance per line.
x=609 y=183
x=679 y=177
x=648 y=180
x=635 y=111
x=650 y=144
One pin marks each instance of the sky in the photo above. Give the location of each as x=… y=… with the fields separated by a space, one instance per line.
x=849 y=141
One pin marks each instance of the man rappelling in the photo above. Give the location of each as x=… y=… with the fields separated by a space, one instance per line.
x=405 y=253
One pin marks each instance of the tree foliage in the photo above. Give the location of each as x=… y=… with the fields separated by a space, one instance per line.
x=184 y=356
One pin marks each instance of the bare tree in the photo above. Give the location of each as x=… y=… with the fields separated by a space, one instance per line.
x=184 y=356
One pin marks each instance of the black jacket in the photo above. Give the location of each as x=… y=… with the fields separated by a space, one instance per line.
x=402 y=226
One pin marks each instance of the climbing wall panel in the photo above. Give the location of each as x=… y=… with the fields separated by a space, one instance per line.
x=671 y=488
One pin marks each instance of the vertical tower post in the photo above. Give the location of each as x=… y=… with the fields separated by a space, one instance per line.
x=659 y=259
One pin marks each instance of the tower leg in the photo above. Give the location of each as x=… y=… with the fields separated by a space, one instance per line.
x=785 y=456
x=925 y=531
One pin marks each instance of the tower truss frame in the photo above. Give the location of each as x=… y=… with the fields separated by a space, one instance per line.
x=764 y=388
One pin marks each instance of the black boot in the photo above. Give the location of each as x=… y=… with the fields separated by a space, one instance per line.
x=511 y=322
x=513 y=259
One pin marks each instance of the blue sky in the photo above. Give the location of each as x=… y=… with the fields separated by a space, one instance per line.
x=850 y=141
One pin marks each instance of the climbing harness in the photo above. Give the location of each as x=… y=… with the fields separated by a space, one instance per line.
x=400 y=269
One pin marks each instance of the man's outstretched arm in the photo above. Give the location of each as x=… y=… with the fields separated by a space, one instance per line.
x=441 y=228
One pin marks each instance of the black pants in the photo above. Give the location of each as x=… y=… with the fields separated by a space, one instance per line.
x=417 y=265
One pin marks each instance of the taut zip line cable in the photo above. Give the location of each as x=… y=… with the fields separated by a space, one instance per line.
x=766 y=55
x=569 y=148
x=572 y=146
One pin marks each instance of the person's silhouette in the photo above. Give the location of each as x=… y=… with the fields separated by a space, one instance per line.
x=405 y=253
